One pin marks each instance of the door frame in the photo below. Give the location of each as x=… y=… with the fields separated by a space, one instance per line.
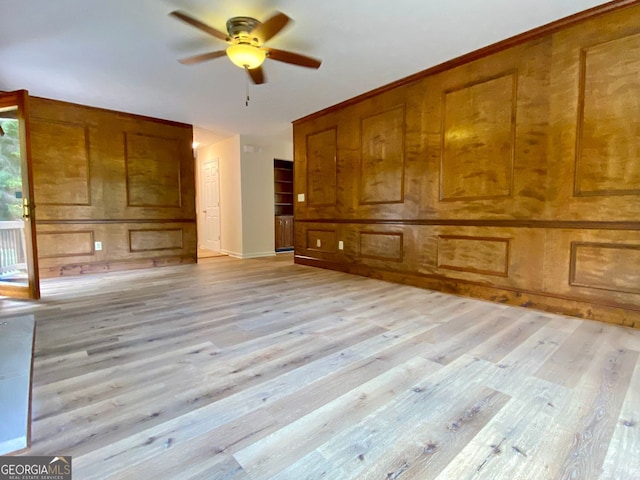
x=201 y=195
x=20 y=99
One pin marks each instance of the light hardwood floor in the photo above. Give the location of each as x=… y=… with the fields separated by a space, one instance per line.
x=259 y=369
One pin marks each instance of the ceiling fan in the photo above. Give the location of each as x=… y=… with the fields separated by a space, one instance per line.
x=246 y=38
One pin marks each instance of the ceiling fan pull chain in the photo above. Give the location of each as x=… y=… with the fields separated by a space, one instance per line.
x=246 y=102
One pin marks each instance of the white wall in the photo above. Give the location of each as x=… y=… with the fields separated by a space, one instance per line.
x=228 y=153
x=246 y=192
x=257 y=191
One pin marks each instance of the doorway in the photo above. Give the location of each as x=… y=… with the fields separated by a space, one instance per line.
x=18 y=255
x=209 y=243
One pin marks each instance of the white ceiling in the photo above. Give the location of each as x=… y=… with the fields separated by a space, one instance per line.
x=122 y=54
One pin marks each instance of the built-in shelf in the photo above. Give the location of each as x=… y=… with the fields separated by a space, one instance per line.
x=283 y=204
x=283 y=187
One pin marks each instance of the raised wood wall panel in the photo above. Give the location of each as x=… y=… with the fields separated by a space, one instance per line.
x=321 y=240
x=349 y=148
x=137 y=174
x=478 y=138
x=608 y=148
x=484 y=137
x=520 y=178
x=382 y=162
x=500 y=256
x=593 y=152
x=61 y=163
x=321 y=167
x=153 y=171
x=58 y=244
x=606 y=266
x=489 y=256
x=156 y=239
x=562 y=265
x=381 y=245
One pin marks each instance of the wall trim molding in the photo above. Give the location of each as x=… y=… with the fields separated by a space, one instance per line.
x=555 y=224
x=101 y=221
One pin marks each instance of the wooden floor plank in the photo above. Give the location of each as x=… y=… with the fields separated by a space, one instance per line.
x=254 y=369
x=598 y=407
x=359 y=446
x=567 y=365
x=429 y=446
x=622 y=459
x=507 y=339
x=266 y=457
x=485 y=326
x=255 y=425
x=236 y=407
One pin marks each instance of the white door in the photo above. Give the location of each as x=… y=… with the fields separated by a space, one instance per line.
x=211 y=205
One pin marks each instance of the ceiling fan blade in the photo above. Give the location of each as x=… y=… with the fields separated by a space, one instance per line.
x=257 y=75
x=270 y=27
x=203 y=57
x=199 y=25
x=293 y=58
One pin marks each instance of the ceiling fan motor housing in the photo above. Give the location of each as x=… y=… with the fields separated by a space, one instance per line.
x=239 y=27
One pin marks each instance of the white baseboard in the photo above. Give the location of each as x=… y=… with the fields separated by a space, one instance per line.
x=248 y=255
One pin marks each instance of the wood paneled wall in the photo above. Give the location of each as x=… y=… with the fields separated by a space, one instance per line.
x=103 y=176
x=513 y=175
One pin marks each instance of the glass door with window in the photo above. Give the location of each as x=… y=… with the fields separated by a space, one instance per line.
x=18 y=254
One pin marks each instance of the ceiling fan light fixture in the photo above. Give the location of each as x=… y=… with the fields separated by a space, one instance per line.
x=245 y=40
x=246 y=55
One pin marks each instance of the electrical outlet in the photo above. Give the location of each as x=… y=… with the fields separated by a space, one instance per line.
x=318 y=243
x=340 y=245
x=301 y=197
x=98 y=246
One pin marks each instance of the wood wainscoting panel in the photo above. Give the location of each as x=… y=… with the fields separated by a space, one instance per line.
x=156 y=239
x=600 y=266
x=382 y=162
x=508 y=257
x=124 y=246
x=59 y=244
x=485 y=255
x=381 y=245
x=606 y=266
x=61 y=162
x=478 y=139
x=322 y=151
x=322 y=240
x=152 y=171
x=608 y=143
